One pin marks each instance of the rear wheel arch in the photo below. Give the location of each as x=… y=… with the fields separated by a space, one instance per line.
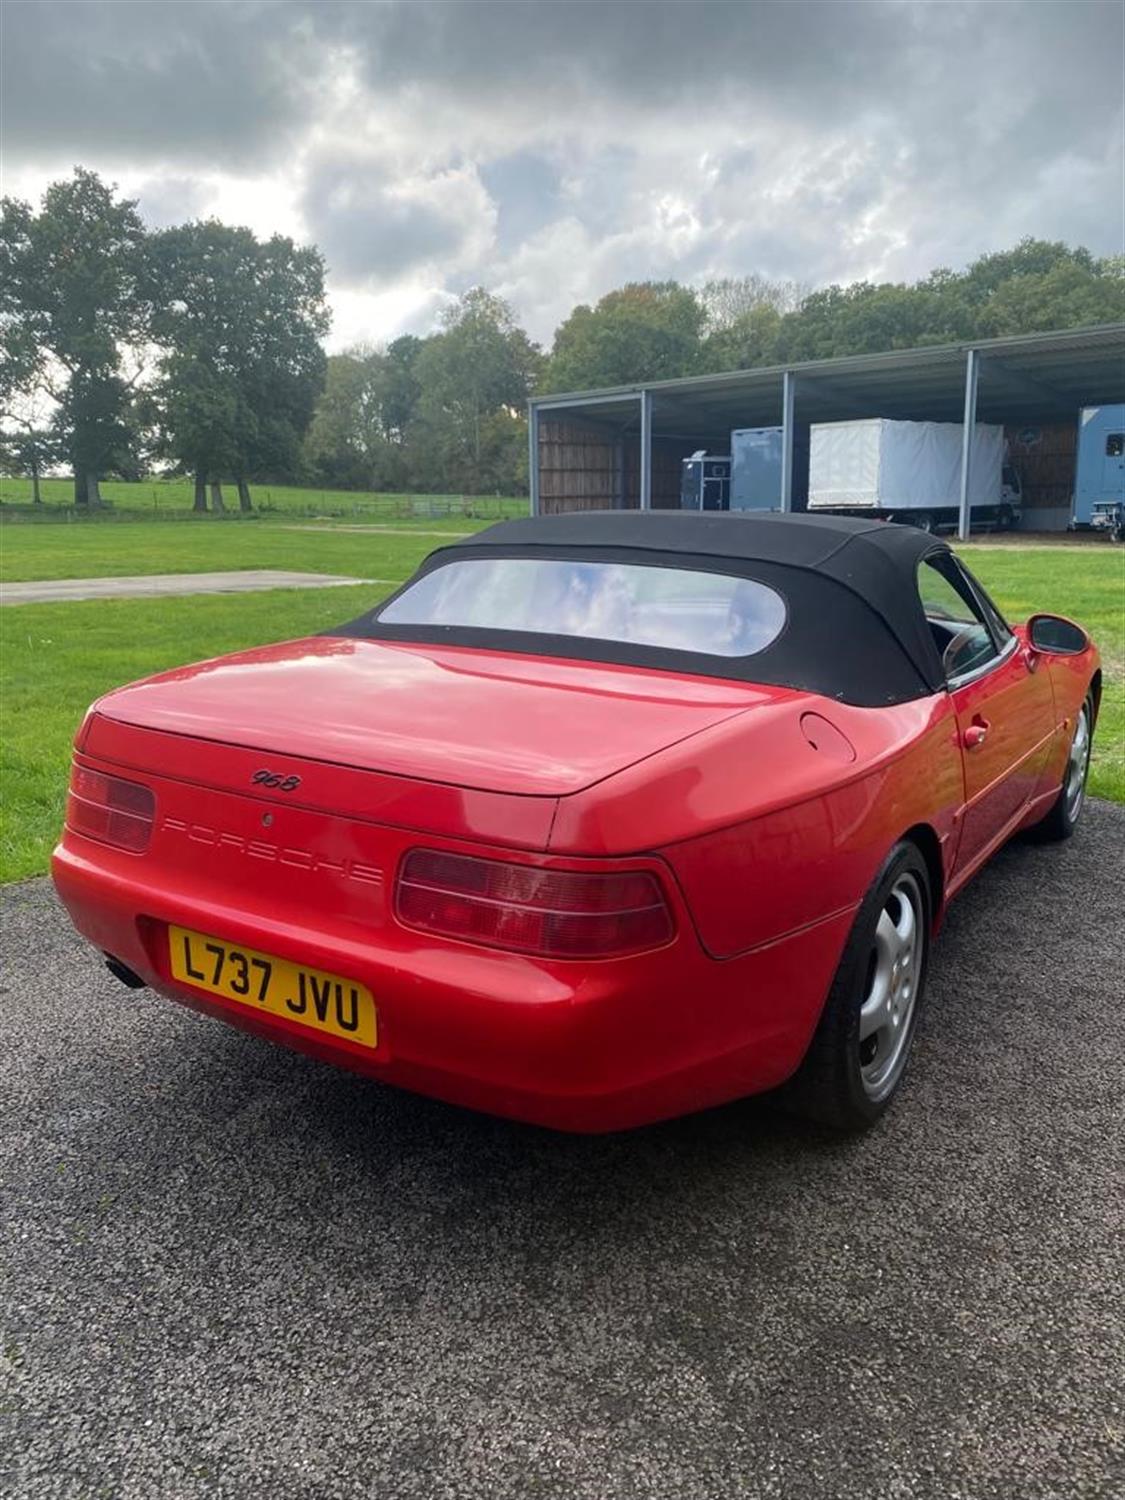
x=925 y=839
x=833 y=1084
x=1095 y=695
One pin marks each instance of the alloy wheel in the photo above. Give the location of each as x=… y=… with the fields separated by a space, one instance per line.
x=894 y=973
x=1077 y=766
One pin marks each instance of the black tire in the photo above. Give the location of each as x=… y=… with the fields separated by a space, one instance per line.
x=1062 y=818
x=829 y=1086
x=922 y=519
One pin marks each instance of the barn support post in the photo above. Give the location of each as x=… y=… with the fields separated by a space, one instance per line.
x=788 y=406
x=972 y=373
x=646 y=450
x=619 y=474
x=533 y=457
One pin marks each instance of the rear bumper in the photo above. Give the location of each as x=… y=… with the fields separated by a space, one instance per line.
x=574 y=1046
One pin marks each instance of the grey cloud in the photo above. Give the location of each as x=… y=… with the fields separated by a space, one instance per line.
x=223 y=80
x=211 y=83
x=807 y=59
x=598 y=185
x=525 y=189
x=626 y=50
x=817 y=141
x=372 y=232
x=166 y=200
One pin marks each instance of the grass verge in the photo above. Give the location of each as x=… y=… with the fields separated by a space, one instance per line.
x=135 y=547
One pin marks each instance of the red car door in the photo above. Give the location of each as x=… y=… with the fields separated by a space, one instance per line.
x=1005 y=718
x=1004 y=706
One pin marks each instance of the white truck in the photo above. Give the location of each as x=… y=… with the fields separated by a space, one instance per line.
x=911 y=472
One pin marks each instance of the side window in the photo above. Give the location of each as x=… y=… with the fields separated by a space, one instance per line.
x=959 y=627
x=1001 y=630
x=1115 y=445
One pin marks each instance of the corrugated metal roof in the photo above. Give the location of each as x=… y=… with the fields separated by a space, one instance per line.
x=1029 y=377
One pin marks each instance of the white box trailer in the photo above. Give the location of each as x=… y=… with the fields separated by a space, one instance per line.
x=909 y=471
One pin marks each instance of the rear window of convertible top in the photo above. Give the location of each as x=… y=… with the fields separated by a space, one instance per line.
x=674 y=608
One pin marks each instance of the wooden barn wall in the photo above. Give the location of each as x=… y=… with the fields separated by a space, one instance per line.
x=667 y=463
x=578 y=468
x=1045 y=458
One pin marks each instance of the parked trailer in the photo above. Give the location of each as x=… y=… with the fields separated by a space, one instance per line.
x=1099 y=473
x=907 y=471
x=705 y=481
x=755 y=468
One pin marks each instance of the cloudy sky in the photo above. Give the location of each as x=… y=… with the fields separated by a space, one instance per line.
x=552 y=150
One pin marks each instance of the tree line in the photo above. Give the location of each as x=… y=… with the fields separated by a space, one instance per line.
x=199 y=350
x=196 y=348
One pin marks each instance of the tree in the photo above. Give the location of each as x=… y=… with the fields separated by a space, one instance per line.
x=204 y=423
x=73 y=299
x=346 y=444
x=1037 y=285
x=731 y=300
x=474 y=377
x=284 y=364
x=750 y=340
x=401 y=389
x=93 y=424
x=865 y=318
x=360 y=429
x=26 y=450
x=1031 y=257
x=1072 y=292
x=21 y=356
x=240 y=323
x=644 y=331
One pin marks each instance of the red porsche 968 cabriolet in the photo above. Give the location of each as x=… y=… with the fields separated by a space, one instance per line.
x=599 y=819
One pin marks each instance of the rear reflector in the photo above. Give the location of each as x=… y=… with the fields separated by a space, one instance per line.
x=550 y=913
x=111 y=810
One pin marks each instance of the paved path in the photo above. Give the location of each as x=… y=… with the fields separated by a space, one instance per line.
x=378 y=530
x=247 y=581
x=229 y=1271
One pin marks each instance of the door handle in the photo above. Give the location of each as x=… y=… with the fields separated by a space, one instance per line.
x=976 y=734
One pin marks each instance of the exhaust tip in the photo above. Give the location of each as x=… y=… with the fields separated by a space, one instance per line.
x=123 y=972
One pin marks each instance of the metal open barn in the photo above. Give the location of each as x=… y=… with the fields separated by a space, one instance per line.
x=623 y=448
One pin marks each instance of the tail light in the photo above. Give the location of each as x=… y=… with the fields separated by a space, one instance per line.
x=550 y=913
x=111 y=810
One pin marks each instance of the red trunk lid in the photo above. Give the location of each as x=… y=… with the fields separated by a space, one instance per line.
x=483 y=720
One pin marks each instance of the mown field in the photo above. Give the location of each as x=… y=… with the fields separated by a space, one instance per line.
x=171 y=499
x=134 y=547
x=55 y=658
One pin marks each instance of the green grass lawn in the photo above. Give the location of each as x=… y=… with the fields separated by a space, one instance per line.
x=56 y=658
x=89 y=550
x=168 y=499
x=1087 y=584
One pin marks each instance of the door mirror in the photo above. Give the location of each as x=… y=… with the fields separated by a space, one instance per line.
x=1054 y=634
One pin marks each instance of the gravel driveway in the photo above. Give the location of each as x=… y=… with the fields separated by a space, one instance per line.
x=229 y=1271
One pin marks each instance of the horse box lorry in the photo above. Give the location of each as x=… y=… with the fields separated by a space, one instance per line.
x=911 y=472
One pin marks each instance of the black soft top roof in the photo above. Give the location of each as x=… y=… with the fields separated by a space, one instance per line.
x=856 y=627
x=802 y=541
x=876 y=559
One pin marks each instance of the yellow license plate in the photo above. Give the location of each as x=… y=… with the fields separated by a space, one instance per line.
x=311 y=997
